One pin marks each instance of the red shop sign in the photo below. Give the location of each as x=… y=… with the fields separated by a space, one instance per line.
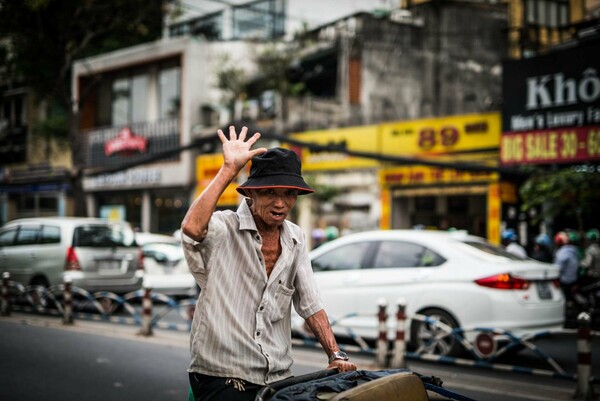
x=126 y=143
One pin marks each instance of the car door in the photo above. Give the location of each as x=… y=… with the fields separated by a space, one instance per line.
x=338 y=275
x=7 y=240
x=23 y=255
x=397 y=270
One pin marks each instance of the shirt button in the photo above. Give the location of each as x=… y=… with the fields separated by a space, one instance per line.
x=258 y=333
x=261 y=308
x=257 y=237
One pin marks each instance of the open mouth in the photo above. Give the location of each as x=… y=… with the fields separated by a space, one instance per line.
x=277 y=215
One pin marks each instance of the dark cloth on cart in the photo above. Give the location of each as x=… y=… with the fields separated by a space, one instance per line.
x=335 y=384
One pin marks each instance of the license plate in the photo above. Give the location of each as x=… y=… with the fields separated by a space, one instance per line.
x=108 y=265
x=543 y=290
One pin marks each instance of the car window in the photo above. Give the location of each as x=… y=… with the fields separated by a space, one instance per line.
x=163 y=251
x=493 y=249
x=430 y=258
x=346 y=257
x=398 y=254
x=27 y=235
x=49 y=235
x=7 y=237
x=103 y=236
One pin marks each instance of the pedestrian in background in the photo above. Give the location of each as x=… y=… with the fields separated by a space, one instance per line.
x=252 y=265
x=591 y=256
x=567 y=259
x=542 y=248
x=510 y=241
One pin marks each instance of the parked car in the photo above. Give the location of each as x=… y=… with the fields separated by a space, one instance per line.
x=166 y=269
x=95 y=254
x=461 y=280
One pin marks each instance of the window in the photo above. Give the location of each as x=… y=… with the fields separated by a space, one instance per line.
x=49 y=235
x=27 y=235
x=547 y=13
x=398 y=254
x=347 y=257
x=120 y=101
x=169 y=94
x=139 y=98
x=129 y=103
x=103 y=236
x=7 y=237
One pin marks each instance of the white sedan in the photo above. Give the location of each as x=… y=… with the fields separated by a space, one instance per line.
x=461 y=280
x=165 y=268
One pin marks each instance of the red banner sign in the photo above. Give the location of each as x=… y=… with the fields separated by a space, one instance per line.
x=125 y=143
x=566 y=145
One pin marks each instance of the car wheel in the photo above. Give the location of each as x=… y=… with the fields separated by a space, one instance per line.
x=423 y=335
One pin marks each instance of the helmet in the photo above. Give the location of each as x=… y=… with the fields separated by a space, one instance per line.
x=574 y=237
x=561 y=238
x=509 y=234
x=592 y=235
x=543 y=239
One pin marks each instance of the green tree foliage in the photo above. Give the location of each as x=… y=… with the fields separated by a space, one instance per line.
x=570 y=191
x=40 y=40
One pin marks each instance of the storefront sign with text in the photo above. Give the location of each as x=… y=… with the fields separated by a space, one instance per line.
x=551 y=146
x=418 y=175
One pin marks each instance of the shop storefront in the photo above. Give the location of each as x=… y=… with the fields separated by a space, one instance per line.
x=551 y=120
x=148 y=198
x=438 y=197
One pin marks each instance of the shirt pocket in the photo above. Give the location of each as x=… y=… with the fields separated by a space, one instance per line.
x=282 y=302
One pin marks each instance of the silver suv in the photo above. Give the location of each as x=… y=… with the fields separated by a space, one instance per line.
x=95 y=254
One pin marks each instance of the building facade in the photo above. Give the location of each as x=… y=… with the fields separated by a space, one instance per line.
x=145 y=104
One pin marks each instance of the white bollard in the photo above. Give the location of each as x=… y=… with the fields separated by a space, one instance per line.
x=147 y=312
x=398 y=359
x=584 y=357
x=382 y=342
x=68 y=299
x=5 y=300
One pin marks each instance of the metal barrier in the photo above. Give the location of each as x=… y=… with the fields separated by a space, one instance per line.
x=78 y=303
x=387 y=353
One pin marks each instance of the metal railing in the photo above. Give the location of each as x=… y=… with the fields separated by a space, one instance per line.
x=75 y=303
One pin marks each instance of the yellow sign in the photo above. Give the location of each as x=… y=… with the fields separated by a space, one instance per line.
x=421 y=175
x=207 y=167
x=362 y=138
x=441 y=135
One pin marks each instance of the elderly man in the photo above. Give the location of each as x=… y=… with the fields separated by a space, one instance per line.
x=251 y=265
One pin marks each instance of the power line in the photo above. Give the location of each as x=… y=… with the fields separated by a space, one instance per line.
x=211 y=142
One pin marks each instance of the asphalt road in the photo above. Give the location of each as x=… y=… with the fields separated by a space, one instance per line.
x=42 y=359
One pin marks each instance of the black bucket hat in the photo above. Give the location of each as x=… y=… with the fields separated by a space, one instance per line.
x=276 y=168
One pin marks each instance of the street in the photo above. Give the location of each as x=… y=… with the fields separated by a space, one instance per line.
x=42 y=359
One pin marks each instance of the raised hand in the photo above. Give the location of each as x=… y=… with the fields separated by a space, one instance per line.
x=236 y=149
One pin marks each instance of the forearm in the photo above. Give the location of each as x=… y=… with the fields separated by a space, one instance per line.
x=195 y=222
x=320 y=327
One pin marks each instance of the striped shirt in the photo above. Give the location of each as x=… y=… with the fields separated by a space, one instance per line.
x=242 y=323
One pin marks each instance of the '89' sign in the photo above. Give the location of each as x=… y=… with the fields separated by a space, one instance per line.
x=428 y=138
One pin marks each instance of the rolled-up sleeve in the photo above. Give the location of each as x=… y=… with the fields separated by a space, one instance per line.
x=307 y=300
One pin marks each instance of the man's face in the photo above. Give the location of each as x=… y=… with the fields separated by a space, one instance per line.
x=271 y=206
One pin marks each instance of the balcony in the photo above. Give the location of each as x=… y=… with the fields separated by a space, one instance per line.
x=161 y=136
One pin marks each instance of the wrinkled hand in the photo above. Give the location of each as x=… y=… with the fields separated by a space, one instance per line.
x=342 y=366
x=236 y=150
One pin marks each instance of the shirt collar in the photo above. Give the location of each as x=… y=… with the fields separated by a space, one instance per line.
x=247 y=223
